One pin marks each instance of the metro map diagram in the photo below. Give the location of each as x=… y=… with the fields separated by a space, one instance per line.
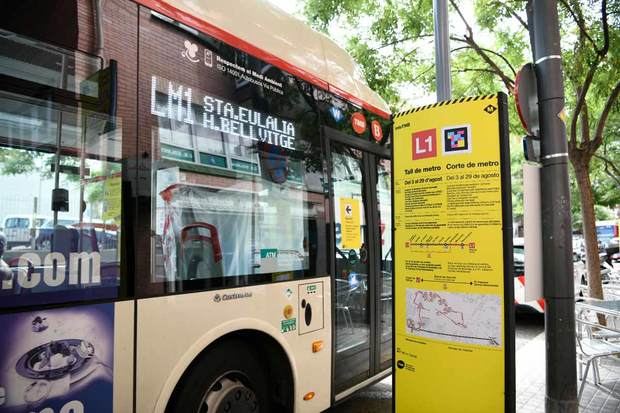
x=441 y=242
x=456 y=317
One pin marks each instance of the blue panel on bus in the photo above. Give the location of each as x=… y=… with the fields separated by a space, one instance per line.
x=35 y=279
x=57 y=360
x=605 y=232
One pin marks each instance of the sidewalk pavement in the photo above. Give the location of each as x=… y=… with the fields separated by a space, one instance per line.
x=530 y=382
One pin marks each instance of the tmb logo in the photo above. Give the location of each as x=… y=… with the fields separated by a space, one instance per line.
x=358 y=122
x=456 y=139
x=424 y=144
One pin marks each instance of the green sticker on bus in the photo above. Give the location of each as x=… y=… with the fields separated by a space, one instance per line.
x=269 y=253
x=288 y=325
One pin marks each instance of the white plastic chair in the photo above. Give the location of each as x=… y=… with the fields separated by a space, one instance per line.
x=343 y=295
x=591 y=347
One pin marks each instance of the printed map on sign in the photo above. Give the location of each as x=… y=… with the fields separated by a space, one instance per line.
x=464 y=318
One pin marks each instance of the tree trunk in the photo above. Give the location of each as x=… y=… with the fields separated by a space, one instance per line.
x=593 y=264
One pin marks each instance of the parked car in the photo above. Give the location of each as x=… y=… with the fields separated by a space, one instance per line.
x=44 y=238
x=518 y=268
x=20 y=229
x=612 y=248
x=518 y=257
x=106 y=234
x=606 y=269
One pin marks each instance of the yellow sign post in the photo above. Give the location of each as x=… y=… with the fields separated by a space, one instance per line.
x=454 y=335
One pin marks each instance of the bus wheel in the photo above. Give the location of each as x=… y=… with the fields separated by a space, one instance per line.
x=229 y=395
x=227 y=378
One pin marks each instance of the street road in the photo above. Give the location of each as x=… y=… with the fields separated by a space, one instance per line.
x=378 y=398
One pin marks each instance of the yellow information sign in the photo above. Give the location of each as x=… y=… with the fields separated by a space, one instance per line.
x=450 y=329
x=350 y=223
x=112 y=194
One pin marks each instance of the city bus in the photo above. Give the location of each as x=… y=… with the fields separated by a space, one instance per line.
x=216 y=179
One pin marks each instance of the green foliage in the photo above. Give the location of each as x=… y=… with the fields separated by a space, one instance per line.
x=27 y=162
x=321 y=13
x=383 y=37
x=392 y=41
x=516 y=167
x=603 y=213
x=16 y=162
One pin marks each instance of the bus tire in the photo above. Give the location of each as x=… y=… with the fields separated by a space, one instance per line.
x=226 y=378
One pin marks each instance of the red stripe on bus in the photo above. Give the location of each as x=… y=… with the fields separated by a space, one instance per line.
x=208 y=28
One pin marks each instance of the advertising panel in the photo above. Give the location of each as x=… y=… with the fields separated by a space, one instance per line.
x=68 y=259
x=33 y=278
x=452 y=285
x=58 y=360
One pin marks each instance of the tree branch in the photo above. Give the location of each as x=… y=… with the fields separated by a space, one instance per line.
x=585 y=121
x=402 y=40
x=406 y=55
x=469 y=40
x=467 y=26
x=603 y=52
x=598 y=136
x=514 y=14
x=425 y=71
x=508 y=82
x=474 y=70
x=609 y=164
x=580 y=23
x=581 y=98
x=512 y=69
x=578 y=17
x=600 y=126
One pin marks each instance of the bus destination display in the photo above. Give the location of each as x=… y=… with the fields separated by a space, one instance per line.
x=219 y=115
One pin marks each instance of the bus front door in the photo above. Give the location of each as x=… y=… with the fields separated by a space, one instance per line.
x=361 y=262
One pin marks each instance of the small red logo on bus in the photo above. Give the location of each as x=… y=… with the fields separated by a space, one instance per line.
x=358 y=121
x=375 y=129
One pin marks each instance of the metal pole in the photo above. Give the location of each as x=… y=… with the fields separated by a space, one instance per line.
x=442 y=50
x=558 y=286
x=63 y=84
